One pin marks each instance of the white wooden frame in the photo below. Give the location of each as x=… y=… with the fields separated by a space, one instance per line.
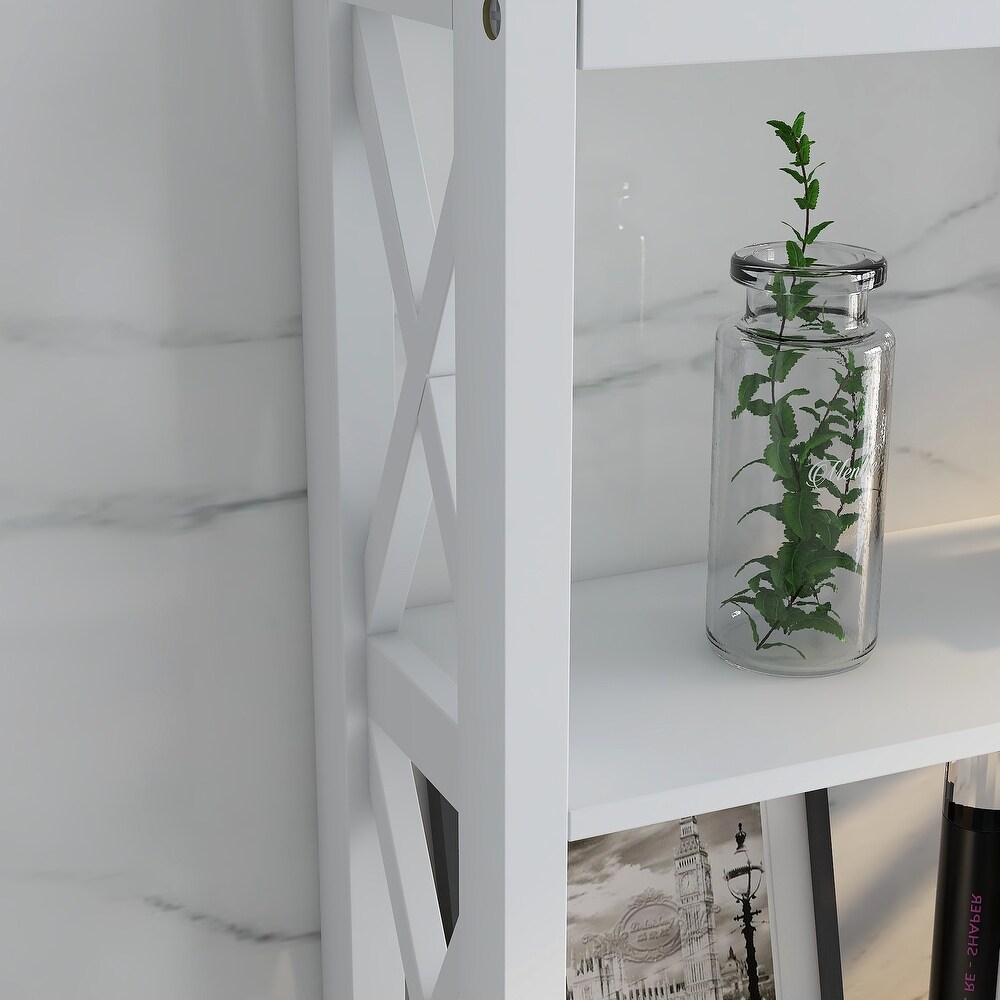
x=498 y=435
x=483 y=298
x=789 y=890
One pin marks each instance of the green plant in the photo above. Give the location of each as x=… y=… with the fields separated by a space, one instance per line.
x=789 y=589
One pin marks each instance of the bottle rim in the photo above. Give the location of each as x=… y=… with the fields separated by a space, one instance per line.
x=839 y=266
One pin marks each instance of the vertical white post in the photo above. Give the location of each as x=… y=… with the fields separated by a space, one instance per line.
x=515 y=121
x=348 y=343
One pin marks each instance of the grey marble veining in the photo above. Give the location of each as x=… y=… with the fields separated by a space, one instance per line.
x=71 y=334
x=240 y=932
x=158 y=836
x=136 y=513
x=113 y=887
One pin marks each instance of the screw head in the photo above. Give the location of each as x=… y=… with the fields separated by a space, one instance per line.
x=492 y=19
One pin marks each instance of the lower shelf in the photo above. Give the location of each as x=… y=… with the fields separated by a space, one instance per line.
x=660 y=727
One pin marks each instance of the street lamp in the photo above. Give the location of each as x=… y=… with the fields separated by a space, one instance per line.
x=743 y=881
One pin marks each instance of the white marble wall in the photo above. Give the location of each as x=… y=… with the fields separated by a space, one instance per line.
x=157 y=814
x=912 y=145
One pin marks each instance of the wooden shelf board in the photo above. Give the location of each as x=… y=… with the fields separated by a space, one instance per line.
x=661 y=727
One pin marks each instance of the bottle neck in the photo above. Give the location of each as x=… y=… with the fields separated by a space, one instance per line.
x=848 y=312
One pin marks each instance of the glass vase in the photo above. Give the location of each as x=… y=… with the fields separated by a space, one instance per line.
x=803 y=383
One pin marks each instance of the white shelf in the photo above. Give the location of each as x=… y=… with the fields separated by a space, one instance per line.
x=660 y=727
x=622 y=33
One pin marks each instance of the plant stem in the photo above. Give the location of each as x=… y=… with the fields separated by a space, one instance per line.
x=774 y=368
x=784 y=319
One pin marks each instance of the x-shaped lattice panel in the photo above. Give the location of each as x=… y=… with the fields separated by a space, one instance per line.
x=420 y=457
x=419 y=467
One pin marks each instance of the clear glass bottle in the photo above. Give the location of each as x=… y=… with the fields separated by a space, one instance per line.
x=802 y=391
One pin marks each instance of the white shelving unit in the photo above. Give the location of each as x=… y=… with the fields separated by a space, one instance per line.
x=637 y=648
x=540 y=732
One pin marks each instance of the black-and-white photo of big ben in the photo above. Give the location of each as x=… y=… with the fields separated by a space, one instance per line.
x=673 y=910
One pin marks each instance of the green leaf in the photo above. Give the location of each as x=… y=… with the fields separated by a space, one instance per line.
x=778 y=457
x=814 y=562
x=749 y=385
x=753 y=630
x=798 y=509
x=795 y=174
x=784 y=132
x=796 y=258
x=799 y=235
x=832 y=487
x=756 y=461
x=765 y=561
x=774 y=509
x=782 y=422
x=800 y=120
x=855 y=442
x=817 y=440
x=828 y=527
x=782 y=575
x=813 y=193
x=820 y=620
x=783 y=363
x=814 y=231
x=759 y=407
x=803 y=289
x=805 y=144
x=853 y=383
x=771 y=607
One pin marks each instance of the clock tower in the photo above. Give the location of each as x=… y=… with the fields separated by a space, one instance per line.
x=702 y=978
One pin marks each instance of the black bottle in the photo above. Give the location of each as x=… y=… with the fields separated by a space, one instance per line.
x=966 y=952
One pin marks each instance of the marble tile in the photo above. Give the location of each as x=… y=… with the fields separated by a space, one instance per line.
x=157 y=781
x=157 y=775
